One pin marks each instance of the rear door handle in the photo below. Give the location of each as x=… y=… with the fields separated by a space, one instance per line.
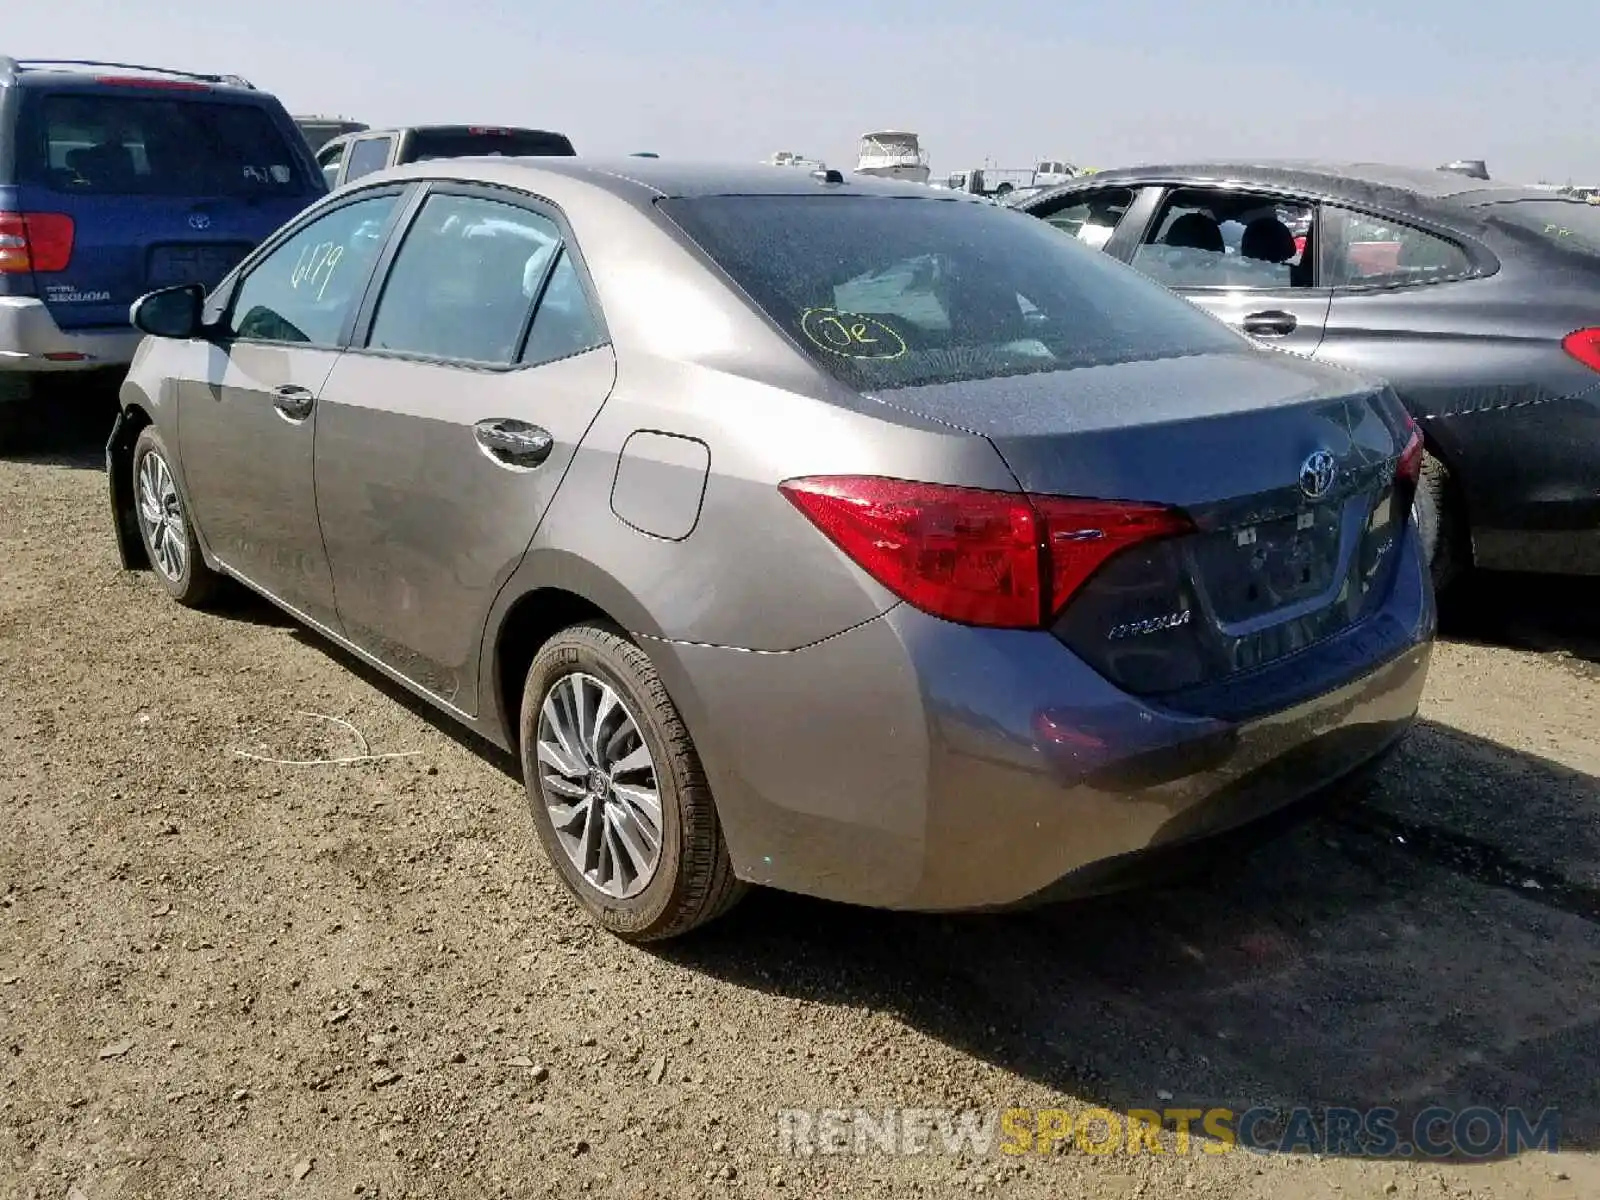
x=514 y=443
x=1270 y=324
x=293 y=401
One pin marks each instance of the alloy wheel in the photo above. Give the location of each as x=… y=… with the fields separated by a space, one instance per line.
x=599 y=785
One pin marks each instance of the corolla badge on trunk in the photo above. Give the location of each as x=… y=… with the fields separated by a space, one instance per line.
x=1317 y=474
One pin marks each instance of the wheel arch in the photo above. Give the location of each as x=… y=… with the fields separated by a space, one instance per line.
x=551 y=590
x=133 y=418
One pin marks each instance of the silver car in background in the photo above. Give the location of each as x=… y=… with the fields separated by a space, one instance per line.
x=846 y=537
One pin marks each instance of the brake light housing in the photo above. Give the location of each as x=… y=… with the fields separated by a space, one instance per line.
x=1584 y=345
x=40 y=243
x=1409 y=468
x=975 y=557
x=161 y=85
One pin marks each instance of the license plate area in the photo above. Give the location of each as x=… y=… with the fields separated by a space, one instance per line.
x=173 y=265
x=1249 y=570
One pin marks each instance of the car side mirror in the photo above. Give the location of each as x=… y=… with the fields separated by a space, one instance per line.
x=172 y=312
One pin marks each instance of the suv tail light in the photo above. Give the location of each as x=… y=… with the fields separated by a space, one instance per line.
x=1000 y=559
x=1584 y=345
x=159 y=85
x=37 y=242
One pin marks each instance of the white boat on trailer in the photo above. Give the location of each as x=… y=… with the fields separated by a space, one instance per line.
x=892 y=154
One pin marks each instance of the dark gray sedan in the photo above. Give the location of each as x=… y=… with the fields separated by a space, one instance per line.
x=1479 y=302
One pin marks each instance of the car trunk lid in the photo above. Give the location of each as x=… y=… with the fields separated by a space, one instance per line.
x=1286 y=470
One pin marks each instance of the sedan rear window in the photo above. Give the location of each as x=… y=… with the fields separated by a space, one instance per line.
x=101 y=143
x=897 y=292
x=1570 y=223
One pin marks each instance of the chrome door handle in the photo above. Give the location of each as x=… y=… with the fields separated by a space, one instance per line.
x=514 y=443
x=1270 y=324
x=293 y=401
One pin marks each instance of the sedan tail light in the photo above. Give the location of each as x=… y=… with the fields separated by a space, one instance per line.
x=38 y=242
x=1584 y=345
x=1409 y=469
x=999 y=559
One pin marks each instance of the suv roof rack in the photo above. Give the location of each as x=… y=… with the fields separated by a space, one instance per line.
x=12 y=66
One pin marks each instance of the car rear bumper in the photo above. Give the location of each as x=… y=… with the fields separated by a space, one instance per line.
x=32 y=343
x=915 y=764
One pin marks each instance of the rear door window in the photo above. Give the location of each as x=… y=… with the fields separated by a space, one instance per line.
x=366 y=156
x=1211 y=238
x=899 y=292
x=465 y=281
x=105 y=143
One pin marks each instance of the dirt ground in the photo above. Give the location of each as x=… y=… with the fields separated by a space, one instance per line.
x=221 y=977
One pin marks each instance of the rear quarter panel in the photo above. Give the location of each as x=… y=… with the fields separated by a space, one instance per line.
x=1479 y=363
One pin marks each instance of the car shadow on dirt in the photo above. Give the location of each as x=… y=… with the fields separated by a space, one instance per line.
x=1551 y=614
x=1399 y=951
x=68 y=426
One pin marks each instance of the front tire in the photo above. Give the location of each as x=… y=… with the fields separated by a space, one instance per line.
x=166 y=528
x=617 y=792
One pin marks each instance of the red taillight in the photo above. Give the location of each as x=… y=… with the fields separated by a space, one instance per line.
x=164 y=85
x=1409 y=469
x=1000 y=559
x=485 y=130
x=1584 y=345
x=1082 y=534
x=34 y=242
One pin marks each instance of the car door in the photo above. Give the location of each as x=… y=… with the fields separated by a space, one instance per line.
x=247 y=418
x=1237 y=254
x=445 y=433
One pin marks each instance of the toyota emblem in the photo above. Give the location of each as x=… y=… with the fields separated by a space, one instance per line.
x=199 y=221
x=1317 y=475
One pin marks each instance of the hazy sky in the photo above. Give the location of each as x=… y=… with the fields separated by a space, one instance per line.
x=1413 y=81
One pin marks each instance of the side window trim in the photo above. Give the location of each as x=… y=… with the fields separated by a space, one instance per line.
x=359 y=333
x=545 y=276
x=403 y=206
x=1336 y=215
x=1130 y=231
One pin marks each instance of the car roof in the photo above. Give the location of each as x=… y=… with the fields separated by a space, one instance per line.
x=646 y=179
x=31 y=73
x=390 y=130
x=1351 y=180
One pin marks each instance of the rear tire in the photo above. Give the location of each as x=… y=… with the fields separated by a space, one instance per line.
x=586 y=778
x=165 y=526
x=1439 y=524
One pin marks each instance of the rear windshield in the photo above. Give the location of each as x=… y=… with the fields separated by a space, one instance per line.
x=887 y=293
x=102 y=143
x=466 y=144
x=1570 y=223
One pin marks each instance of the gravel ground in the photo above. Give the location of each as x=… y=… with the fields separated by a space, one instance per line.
x=224 y=977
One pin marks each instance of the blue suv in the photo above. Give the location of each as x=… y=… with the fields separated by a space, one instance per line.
x=116 y=180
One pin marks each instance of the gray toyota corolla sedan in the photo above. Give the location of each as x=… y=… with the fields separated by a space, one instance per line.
x=834 y=535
